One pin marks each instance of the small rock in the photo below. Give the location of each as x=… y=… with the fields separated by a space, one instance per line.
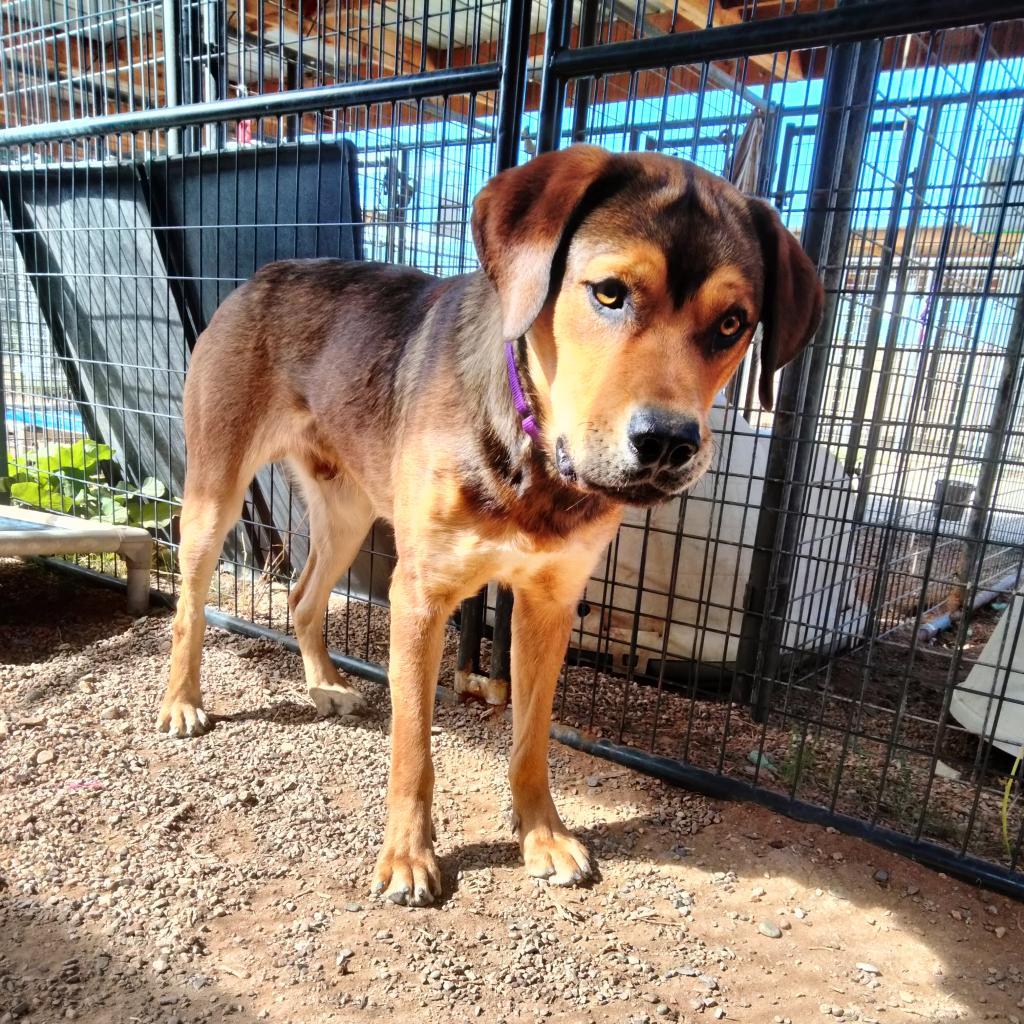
x=868 y=968
x=593 y=781
x=42 y=757
x=87 y=684
x=1000 y=932
x=353 y=908
x=113 y=713
x=769 y=930
x=160 y=966
x=881 y=876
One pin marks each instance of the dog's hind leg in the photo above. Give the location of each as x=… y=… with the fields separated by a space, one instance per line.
x=340 y=516
x=210 y=508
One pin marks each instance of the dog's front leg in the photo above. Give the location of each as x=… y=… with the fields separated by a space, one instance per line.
x=541 y=622
x=407 y=871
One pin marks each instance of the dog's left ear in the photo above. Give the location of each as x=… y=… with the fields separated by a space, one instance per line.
x=793 y=296
x=519 y=220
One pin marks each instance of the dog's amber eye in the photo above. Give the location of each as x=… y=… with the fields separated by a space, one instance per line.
x=730 y=326
x=610 y=293
x=727 y=331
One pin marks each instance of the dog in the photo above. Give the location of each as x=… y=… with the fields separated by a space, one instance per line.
x=500 y=421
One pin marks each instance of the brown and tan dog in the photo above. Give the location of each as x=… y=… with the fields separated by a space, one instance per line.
x=631 y=286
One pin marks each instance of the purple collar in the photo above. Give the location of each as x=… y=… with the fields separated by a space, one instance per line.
x=515 y=385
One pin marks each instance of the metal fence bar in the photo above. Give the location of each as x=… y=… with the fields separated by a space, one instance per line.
x=449 y=81
x=515 y=52
x=848 y=91
x=843 y=24
x=971 y=869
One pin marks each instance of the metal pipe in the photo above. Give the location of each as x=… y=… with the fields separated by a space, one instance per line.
x=722 y=787
x=512 y=86
x=1000 y=588
x=512 y=83
x=883 y=272
x=969 y=567
x=557 y=36
x=512 y=101
x=172 y=81
x=215 y=617
x=846 y=105
x=501 y=646
x=482 y=78
x=889 y=352
x=471 y=626
x=581 y=102
x=843 y=24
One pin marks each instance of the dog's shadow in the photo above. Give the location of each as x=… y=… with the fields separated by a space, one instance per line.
x=291 y=713
x=611 y=841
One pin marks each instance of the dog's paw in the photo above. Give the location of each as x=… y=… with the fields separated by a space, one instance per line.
x=556 y=855
x=337 y=700
x=181 y=719
x=410 y=879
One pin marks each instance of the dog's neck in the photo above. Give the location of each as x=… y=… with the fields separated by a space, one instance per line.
x=512 y=474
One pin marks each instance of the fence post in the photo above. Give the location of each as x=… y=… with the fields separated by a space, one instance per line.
x=557 y=36
x=890 y=348
x=581 y=101
x=883 y=274
x=511 y=101
x=842 y=131
x=172 y=80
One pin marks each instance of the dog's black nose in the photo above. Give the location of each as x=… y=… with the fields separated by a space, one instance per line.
x=663 y=439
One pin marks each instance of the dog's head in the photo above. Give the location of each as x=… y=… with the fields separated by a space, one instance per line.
x=639 y=280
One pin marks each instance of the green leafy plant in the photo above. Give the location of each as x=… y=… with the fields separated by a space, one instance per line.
x=75 y=479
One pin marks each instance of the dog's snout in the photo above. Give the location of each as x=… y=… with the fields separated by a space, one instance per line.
x=663 y=439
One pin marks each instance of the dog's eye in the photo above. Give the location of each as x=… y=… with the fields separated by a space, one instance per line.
x=730 y=327
x=610 y=293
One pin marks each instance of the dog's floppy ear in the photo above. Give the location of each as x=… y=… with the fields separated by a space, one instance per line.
x=519 y=220
x=791 y=307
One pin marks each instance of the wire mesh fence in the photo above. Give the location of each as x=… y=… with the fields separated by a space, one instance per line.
x=829 y=622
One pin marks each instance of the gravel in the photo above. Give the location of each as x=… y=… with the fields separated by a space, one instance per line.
x=144 y=881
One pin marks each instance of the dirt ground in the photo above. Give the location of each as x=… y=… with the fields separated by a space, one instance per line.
x=148 y=880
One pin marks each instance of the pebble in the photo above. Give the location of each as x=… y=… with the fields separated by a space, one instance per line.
x=113 y=713
x=41 y=757
x=881 y=876
x=593 y=781
x=160 y=966
x=770 y=930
